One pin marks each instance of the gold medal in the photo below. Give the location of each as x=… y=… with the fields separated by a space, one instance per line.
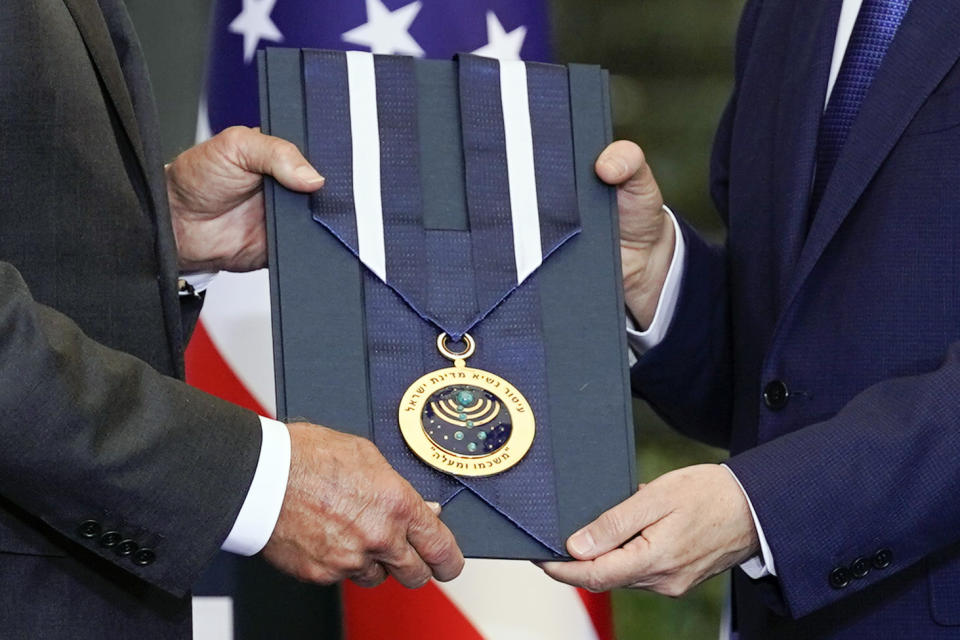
x=465 y=421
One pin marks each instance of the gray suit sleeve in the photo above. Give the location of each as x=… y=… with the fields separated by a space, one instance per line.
x=96 y=441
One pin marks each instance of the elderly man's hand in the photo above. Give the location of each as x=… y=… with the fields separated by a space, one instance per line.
x=216 y=197
x=674 y=533
x=348 y=515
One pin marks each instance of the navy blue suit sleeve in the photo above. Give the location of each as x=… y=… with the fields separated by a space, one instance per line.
x=687 y=377
x=822 y=498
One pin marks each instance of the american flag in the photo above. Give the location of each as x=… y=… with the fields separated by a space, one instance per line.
x=231 y=353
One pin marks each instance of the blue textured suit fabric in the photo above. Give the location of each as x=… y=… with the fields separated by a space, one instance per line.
x=872 y=34
x=118 y=482
x=852 y=329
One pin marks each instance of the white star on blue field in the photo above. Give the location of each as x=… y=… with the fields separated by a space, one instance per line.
x=504 y=29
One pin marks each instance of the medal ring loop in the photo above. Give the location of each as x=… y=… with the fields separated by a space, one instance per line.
x=468 y=351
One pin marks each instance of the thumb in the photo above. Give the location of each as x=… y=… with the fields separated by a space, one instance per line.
x=624 y=165
x=257 y=152
x=615 y=526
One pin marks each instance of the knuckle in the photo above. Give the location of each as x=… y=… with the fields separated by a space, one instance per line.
x=609 y=524
x=412 y=577
x=369 y=575
x=437 y=551
x=385 y=545
x=366 y=448
x=352 y=563
x=282 y=151
x=400 y=501
x=595 y=583
x=311 y=572
x=672 y=591
x=385 y=542
x=234 y=136
x=420 y=580
x=594 y=586
x=674 y=588
x=377 y=539
x=370 y=580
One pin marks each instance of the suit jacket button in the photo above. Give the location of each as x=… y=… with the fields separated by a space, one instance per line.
x=89 y=529
x=860 y=568
x=144 y=557
x=126 y=548
x=839 y=578
x=110 y=539
x=882 y=558
x=775 y=395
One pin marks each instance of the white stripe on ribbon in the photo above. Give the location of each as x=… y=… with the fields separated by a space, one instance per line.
x=365 y=131
x=518 y=134
x=520 y=167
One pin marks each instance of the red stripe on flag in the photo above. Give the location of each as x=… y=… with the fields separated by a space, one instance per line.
x=394 y=612
x=600 y=611
x=207 y=370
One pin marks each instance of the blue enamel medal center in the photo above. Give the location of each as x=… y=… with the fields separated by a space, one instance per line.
x=466 y=421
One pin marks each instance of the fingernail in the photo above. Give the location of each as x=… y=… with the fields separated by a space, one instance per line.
x=581 y=543
x=435 y=507
x=615 y=165
x=309 y=175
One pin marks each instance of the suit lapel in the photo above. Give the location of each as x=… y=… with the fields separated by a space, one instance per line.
x=91 y=21
x=923 y=51
x=810 y=50
x=96 y=37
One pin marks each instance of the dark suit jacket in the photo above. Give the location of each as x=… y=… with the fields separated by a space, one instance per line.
x=857 y=468
x=117 y=482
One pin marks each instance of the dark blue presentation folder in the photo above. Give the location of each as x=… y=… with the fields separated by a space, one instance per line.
x=318 y=290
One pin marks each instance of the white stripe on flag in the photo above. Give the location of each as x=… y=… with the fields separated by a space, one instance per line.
x=365 y=131
x=510 y=600
x=520 y=167
x=203 y=122
x=236 y=315
x=212 y=618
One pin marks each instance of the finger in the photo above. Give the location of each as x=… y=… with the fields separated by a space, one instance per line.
x=616 y=526
x=434 y=507
x=371 y=576
x=269 y=155
x=434 y=543
x=618 y=568
x=409 y=569
x=623 y=163
x=638 y=197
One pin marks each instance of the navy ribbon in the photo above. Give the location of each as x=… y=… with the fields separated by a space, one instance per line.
x=453 y=279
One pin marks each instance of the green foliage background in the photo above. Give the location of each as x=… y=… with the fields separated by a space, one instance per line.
x=672 y=66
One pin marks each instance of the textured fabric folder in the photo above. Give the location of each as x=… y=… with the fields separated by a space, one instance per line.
x=460 y=200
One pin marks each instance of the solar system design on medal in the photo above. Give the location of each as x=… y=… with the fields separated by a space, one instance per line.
x=467 y=421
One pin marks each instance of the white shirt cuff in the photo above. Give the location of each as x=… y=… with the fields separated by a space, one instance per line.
x=261 y=508
x=200 y=280
x=643 y=341
x=759 y=566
